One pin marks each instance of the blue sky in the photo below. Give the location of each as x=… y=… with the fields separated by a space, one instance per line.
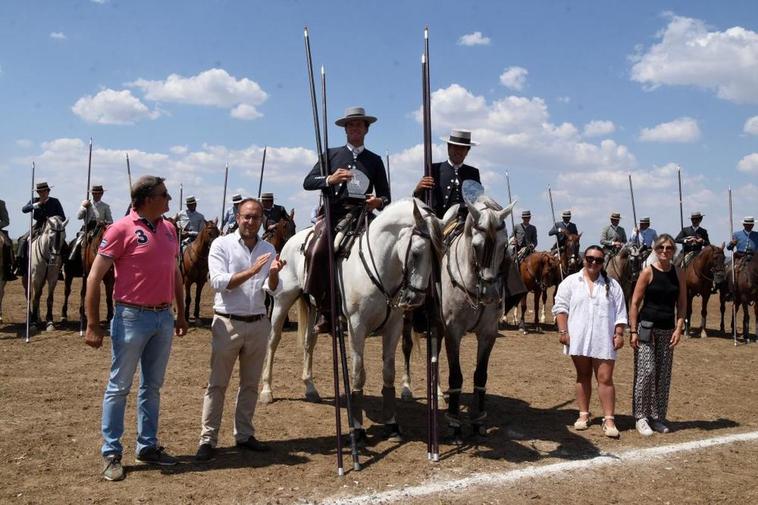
x=575 y=95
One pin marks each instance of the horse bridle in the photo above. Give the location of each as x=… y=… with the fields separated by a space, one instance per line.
x=56 y=248
x=391 y=297
x=474 y=299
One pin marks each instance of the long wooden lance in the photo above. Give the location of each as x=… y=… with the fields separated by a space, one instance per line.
x=510 y=200
x=85 y=241
x=734 y=279
x=432 y=344
x=263 y=166
x=389 y=178
x=338 y=339
x=223 y=199
x=634 y=210
x=555 y=225
x=129 y=175
x=29 y=263
x=181 y=196
x=681 y=212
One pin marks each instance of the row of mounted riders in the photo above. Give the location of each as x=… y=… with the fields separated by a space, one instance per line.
x=54 y=259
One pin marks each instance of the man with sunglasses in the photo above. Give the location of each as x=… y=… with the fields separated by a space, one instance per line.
x=693 y=239
x=143 y=248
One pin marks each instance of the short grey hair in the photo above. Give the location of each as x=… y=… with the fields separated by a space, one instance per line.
x=143 y=188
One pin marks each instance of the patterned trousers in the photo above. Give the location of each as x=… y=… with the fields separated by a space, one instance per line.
x=652 y=376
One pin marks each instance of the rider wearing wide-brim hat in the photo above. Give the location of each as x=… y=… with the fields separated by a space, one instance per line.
x=524 y=236
x=272 y=213
x=644 y=235
x=744 y=241
x=613 y=236
x=43 y=206
x=563 y=227
x=446 y=179
x=230 y=221
x=189 y=220
x=693 y=238
x=343 y=162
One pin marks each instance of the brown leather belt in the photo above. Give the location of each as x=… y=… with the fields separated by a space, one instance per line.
x=245 y=319
x=151 y=308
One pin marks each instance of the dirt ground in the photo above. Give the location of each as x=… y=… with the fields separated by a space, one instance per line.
x=51 y=391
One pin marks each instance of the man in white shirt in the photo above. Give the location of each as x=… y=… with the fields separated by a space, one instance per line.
x=241 y=267
x=644 y=235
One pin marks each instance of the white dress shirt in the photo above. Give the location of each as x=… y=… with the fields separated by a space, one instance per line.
x=647 y=237
x=592 y=318
x=228 y=256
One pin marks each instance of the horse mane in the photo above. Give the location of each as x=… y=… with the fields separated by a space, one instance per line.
x=401 y=212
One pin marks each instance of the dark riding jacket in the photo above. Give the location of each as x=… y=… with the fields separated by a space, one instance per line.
x=447 y=185
x=689 y=231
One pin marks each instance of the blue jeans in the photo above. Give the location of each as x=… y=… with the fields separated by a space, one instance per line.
x=137 y=337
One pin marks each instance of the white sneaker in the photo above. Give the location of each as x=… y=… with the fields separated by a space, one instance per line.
x=643 y=427
x=659 y=426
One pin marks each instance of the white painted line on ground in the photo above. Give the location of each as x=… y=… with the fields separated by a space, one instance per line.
x=500 y=478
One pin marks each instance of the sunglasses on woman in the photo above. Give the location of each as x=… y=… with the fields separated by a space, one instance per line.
x=664 y=248
x=594 y=260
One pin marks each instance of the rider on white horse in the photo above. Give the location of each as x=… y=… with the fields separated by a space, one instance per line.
x=44 y=206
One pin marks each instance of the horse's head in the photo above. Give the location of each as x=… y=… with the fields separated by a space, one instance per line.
x=210 y=231
x=635 y=259
x=571 y=252
x=485 y=228
x=422 y=246
x=55 y=230
x=718 y=261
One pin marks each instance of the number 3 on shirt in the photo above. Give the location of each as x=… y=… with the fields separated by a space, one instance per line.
x=141 y=237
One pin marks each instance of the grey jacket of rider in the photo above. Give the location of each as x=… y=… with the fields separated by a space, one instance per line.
x=611 y=234
x=98 y=211
x=525 y=235
x=191 y=222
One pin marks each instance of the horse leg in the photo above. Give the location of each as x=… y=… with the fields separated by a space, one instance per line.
x=455 y=382
x=198 y=290
x=722 y=308
x=522 y=316
x=537 y=311
x=406 y=393
x=310 y=336
x=755 y=312
x=477 y=411
x=390 y=338
x=704 y=314
x=67 y=280
x=2 y=293
x=358 y=380
x=542 y=310
x=187 y=298
x=280 y=309
x=51 y=281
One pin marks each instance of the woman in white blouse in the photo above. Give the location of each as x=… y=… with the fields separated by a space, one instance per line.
x=591 y=315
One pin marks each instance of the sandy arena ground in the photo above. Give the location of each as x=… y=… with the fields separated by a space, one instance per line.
x=51 y=391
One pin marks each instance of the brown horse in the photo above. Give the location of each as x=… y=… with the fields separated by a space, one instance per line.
x=571 y=260
x=539 y=271
x=703 y=275
x=78 y=263
x=281 y=232
x=744 y=292
x=195 y=265
x=625 y=266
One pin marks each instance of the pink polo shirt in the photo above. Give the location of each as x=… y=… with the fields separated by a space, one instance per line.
x=144 y=259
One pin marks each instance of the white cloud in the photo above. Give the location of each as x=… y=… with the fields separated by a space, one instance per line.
x=179 y=149
x=751 y=126
x=749 y=164
x=112 y=107
x=101 y=2
x=24 y=143
x=474 y=39
x=214 y=87
x=58 y=35
x=598 y=128
x=683 y=129
x=688 y=54
x=514 y=78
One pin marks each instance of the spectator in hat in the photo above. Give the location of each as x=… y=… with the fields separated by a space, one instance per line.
x=230 y=220
x=644 y=235
x=613 y=237
x=272 y=213
x=5 y=241
x=343 y=160
x=190 y=221
x=91 y=212
x=447 y=177
x=744 y=241
x=693 y=239
x=44 y=206
x=562 y=228
x=524 y=237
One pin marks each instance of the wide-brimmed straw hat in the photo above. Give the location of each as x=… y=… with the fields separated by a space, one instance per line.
x=460 y=138
x=696 y=215
x=644 y=220
x=190 y=200
x=526 y=213
x=615 y=215
x=42 y=186
x=748 y=220
x=97 y=188
x=267 y=196
x=355 y=113
x=236 y=198
x=566 y=213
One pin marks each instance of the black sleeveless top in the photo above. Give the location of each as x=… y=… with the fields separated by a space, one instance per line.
x=661 y=296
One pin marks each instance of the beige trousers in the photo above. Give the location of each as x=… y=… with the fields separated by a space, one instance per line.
x=232 y=340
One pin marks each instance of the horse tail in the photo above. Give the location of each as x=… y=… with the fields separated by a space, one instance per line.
x=303 y=320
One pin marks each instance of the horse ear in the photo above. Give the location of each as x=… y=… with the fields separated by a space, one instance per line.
x=507 y=211
x=580 y=234
x=215 y=221
x=417 y=216
x=723 y=245
x=66 y=222
x=473 y=212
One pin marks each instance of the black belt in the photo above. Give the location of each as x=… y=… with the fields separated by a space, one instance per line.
x=246 y=319
x=151 y=308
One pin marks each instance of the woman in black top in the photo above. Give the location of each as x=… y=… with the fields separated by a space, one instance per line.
x=662 y=287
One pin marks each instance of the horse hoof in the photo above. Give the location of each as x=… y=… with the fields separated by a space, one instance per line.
x=703 y=334
x=266 y=397
x=406 y=394
x=479 y=430
x=50 y=327
x=361 y=439
x=455 y=437
x=391 y=432
x=312 y=397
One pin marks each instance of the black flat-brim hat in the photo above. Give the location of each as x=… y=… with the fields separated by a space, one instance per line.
x=460 y=138
x=42 y=186
x=355 y=113
x=97 y=189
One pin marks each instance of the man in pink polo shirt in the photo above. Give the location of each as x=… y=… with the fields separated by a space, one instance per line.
x=143 y=249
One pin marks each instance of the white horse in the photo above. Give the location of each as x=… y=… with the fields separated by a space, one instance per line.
x=46 y=265
x=471 y=281
x=385 y=273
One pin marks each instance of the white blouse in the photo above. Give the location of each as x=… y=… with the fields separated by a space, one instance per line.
x=592 y=318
